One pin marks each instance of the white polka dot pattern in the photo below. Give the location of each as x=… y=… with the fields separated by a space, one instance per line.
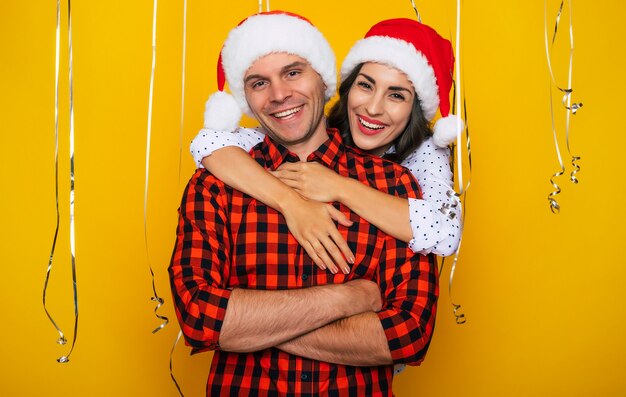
x=207 y=141
x=433 y=231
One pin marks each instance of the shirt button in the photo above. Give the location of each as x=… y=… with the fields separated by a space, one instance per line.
x=304 y=277
x=304 y=377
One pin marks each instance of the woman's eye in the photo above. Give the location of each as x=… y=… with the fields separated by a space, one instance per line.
x=397 y=96
x=365 y=85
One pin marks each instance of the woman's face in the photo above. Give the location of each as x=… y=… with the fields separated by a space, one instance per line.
x=379 y=107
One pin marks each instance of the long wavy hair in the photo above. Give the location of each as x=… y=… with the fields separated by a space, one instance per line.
x=417 y=129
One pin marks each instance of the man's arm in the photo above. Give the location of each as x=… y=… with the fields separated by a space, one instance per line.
x=401 y=331
x=358 y=340
x=213 y=316
x=257 y=320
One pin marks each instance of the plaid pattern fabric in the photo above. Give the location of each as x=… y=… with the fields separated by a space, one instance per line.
x=226 y=240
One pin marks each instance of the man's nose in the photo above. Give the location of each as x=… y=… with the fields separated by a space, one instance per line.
x=279 y=91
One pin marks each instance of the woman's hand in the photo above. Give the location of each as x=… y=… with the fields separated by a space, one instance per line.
x=311 y=223
x=312 y=180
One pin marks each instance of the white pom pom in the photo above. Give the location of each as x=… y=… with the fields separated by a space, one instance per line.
x=221 y=112
x=445 y=130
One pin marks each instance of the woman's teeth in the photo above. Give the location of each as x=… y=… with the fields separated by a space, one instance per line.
x=370 y=125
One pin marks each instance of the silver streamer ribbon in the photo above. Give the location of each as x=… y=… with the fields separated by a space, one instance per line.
x=155 y=297
x=182 y=96
x=62 y=340
x=459 y=316
x=180 y=152
x=570 y=108
x=417 y=13
x=267 y=6
x=180 y=333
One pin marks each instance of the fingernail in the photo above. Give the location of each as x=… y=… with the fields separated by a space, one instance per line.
x=323 y=267
x=351 y=260
x=346 y=270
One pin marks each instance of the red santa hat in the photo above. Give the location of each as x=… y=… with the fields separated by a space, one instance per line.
x=424 y=56
x=254 y=38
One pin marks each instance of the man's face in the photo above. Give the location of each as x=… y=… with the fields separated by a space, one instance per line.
x=286 y=95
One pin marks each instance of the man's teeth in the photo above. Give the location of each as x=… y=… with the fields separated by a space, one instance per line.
x=286 y=113
x=370 y=125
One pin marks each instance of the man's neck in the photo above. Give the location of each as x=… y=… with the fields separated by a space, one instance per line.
x=303 y=149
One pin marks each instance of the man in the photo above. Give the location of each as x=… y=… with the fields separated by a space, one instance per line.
x=244 y=287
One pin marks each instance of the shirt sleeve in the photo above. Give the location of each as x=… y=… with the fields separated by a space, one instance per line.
x=436 y=219
x=207 y=141
x=199 y=266
x=409 y=284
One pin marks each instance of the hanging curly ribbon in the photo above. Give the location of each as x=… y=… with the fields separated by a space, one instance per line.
x=417 y=13
x=180 y=333
x=570 y=107
x=459 y=317
x=155 y=297
x=62 y=340
x=180 y=158
x=182 y=96
x=267 y=6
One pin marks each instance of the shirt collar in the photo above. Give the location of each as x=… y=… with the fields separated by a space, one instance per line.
x=327 y=154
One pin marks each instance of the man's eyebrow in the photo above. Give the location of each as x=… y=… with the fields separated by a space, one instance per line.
x=391 y=88
x=296 y=64
x=252 y=77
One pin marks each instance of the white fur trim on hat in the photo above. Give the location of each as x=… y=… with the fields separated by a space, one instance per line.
x=400 y=55
x=447 y=129
x=264 y=34
x=221 y=112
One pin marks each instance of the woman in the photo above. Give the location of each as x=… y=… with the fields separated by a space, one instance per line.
x=393 y=82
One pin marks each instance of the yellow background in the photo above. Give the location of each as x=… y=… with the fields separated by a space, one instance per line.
x=544 y=294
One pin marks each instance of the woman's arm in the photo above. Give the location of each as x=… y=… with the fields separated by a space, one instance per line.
x=208 y=141
x=435 y=220
x=311 y=223
x=316 y=182
x=429 y=226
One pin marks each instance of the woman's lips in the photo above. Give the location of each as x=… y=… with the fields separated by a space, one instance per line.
x=370 y=126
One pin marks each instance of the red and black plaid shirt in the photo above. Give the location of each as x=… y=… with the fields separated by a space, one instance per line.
x=226 y=239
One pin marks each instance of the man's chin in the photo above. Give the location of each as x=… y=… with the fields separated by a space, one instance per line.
x=286 y=137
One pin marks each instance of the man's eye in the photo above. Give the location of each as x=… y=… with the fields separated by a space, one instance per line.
x=293 y=73
x=258 y=84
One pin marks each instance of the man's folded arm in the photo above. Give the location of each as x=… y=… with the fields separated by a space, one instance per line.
x=215 y=317
x=402 y=330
